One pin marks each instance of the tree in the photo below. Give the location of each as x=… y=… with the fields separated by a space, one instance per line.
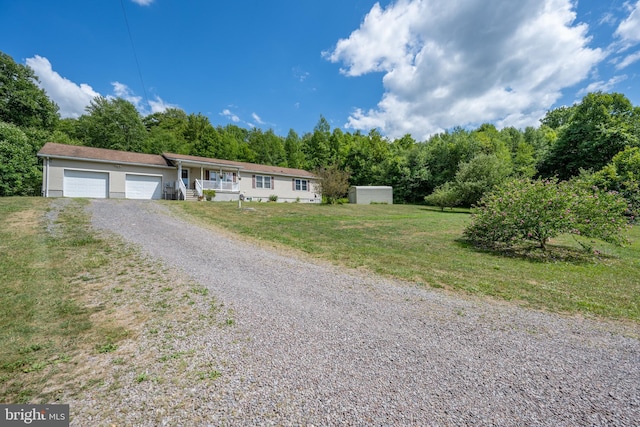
x=523 y=212
x=200 y=136
x=479 y=176
x=444 y=196
x=293 y=150
x=446 y=151
x=166 y=132
x=598 y=128
x=112 y=123
x=268 y=147
x=334 y=183
x=316 y=146
x=19 y=173
x=22 y=102
x=622 y=174
x=366 y=157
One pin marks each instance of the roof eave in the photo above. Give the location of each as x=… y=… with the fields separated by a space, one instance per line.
x=114 y=162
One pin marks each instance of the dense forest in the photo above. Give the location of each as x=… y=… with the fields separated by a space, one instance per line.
x=597 y=138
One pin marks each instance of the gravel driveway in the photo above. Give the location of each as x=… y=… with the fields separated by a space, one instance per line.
x=315 y=345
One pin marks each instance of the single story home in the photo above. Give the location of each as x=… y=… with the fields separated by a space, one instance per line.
x=367 y=194
x=76 y=171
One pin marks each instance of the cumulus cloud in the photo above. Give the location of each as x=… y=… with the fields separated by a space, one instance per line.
x=121 y=90
x=143 y=2
x=450 y=63
x=629 y=29
x=72 y=98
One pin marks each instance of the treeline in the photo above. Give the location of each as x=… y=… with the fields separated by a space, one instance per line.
x=458 y=165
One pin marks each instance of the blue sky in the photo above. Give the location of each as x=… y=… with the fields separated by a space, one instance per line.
x=406 y=66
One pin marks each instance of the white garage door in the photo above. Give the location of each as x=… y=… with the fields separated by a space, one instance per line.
x=85 y=184
x=143 y=187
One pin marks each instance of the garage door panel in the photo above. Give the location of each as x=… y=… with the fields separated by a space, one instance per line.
x=143 y=187
x=85 y=184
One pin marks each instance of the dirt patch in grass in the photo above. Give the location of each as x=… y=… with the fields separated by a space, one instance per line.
x=23 y=222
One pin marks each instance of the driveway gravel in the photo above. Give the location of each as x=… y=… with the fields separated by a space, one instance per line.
x=308 y=343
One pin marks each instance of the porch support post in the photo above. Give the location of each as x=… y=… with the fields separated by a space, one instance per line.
x=201 y=174
x=179 y=170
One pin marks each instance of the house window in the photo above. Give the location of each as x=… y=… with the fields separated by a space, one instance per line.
x=263 y=181
x=301 y=185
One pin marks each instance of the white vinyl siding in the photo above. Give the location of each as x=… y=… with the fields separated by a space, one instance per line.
x=143 y=187
x=78 y=183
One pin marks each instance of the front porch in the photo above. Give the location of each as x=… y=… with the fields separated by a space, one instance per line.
x=224 y=180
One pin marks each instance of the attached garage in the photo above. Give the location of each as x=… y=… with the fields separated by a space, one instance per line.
x=78 y=183
x=143 y=187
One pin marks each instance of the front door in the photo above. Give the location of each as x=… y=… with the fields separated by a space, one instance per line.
x=185 y=177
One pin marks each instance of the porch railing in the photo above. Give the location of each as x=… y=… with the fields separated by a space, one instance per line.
x=218 y=185
x=199 y=187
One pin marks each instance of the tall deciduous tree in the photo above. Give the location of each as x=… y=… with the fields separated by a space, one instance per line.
x=22 y=102
x=268 y=147
x=293 y=150
x=316 y=146
x=599 y=127
x=114 y=124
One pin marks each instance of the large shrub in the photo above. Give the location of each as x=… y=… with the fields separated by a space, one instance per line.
x=532 y=212
x=19 y=173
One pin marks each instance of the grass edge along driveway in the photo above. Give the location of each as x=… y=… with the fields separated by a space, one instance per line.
x=423 y=245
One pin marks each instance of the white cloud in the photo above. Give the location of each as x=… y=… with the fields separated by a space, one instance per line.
x=143 y=2
x=602 y=85
x=629 y=29
x=628 y=60
x=229 y=115
x=257 y=118
x=70 y=97
x=122 y=91
x=158 y=105
x=608 y=19
x=455 y=63
x=73 y=98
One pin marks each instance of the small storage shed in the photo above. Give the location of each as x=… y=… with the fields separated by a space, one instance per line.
x=367 y=194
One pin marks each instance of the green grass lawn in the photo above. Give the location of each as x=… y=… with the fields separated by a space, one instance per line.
x=423 y=245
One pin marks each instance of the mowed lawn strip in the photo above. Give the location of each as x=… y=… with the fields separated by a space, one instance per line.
x=424 y=245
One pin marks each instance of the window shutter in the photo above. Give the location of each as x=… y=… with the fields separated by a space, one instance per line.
x=253 y=181
x=293 y=184
x=308 y=186
x=273 y=183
